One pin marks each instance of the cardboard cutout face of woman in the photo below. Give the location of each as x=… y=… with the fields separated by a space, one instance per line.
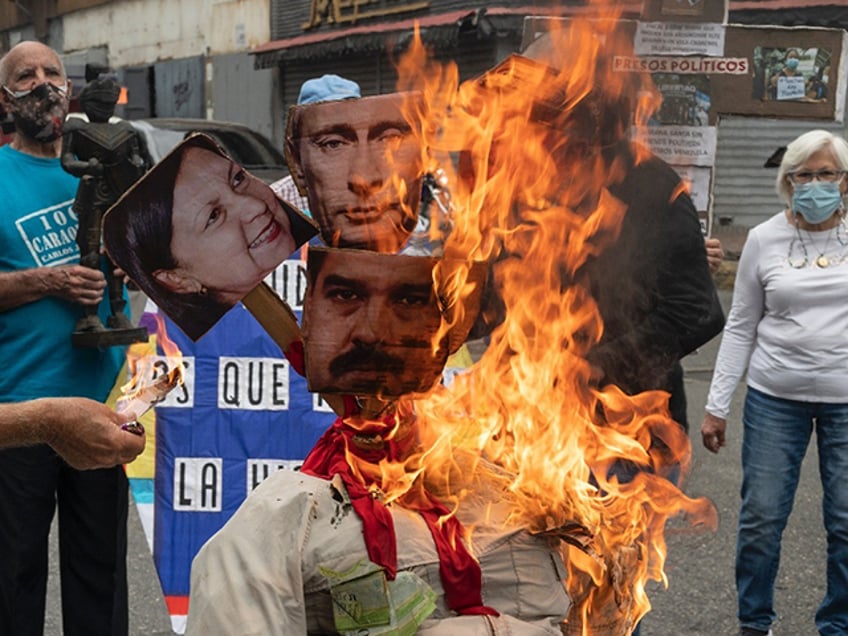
x=359 y=162
x=198 y=232
x=383 y=324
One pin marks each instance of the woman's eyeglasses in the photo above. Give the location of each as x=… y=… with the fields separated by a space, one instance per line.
x=806 y=176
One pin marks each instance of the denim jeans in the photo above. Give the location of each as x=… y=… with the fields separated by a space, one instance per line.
x=776 y=436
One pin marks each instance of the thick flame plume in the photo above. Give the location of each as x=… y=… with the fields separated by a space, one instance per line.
x=151 y=377
x=591 y=466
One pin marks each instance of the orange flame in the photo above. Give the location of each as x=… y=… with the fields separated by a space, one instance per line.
x=148 y=376
x=532 y=197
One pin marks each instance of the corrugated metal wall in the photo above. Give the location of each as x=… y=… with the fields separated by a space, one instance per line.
x=288 y=16
x=76 y=62
x=242 y=94
x=179 y=88
x=743 y=192
x=374 y=72
x=139 y=94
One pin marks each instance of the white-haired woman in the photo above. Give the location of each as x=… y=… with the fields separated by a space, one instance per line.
x=788 y=327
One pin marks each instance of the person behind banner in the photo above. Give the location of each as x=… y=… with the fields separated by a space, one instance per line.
x=199 y=232
x=652 y=282
x=359 y=162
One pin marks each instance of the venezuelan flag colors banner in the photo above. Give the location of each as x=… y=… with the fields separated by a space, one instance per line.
x=241 y=414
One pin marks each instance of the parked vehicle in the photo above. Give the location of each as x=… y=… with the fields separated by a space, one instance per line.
x=252 y=150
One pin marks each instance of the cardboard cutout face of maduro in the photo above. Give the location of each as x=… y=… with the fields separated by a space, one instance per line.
x=384 y=324
x=198 y=232
x=359 y=162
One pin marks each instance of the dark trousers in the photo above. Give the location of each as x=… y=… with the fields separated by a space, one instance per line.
x=92 y=544
x=677 y=399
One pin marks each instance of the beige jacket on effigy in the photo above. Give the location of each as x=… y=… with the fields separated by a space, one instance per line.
x=259 y=575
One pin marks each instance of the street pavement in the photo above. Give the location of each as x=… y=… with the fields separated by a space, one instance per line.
x=701 y=594
x=700 y=598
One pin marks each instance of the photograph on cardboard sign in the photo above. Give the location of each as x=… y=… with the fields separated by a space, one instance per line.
x=685 y=99
x=384 y=324
x=198 y=232
x=791 y=74
x=359 y=163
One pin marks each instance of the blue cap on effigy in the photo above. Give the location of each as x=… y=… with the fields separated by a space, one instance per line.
x=327 y=88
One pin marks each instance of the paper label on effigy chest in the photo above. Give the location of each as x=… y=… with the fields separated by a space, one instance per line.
x=412 y=601
x=359 y=600
x=365 y=603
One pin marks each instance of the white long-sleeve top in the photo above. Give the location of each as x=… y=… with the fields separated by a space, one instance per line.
x=787 y=325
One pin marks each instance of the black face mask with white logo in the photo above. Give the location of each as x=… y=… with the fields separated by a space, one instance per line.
x=40 y=113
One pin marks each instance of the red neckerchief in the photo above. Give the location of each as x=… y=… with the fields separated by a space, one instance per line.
x=373 y=441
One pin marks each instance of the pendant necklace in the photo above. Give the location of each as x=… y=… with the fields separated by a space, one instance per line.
x=822 y=260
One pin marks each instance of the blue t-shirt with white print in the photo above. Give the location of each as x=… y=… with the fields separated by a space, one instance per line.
x=38 y=228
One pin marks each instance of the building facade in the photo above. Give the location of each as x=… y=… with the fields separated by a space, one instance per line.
x=358 y=39
x=244 y=60
x=170 y=54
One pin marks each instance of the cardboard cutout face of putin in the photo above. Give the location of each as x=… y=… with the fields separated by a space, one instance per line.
x=359 y=162
x=384 y=324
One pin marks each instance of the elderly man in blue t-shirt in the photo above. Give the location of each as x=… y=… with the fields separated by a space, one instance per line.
x=42 y=293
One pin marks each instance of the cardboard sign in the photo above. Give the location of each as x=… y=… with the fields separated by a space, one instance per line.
x=664 y=38
x=746 y=73
x=811 y=87
x=384 y=324
x=198 y=233
x=359 y=162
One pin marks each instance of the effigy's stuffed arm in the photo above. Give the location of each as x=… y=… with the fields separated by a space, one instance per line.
x=248 y=578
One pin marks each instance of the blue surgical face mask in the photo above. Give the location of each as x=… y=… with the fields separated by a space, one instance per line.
x=792 y=63
x=816 y=201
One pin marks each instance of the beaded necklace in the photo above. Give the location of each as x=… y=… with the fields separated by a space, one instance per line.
x=822 y=260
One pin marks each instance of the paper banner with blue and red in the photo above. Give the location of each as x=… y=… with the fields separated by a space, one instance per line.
x=241 y=414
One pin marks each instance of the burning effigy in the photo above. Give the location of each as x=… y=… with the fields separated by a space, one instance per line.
x=531 y=495
x=584 y=227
